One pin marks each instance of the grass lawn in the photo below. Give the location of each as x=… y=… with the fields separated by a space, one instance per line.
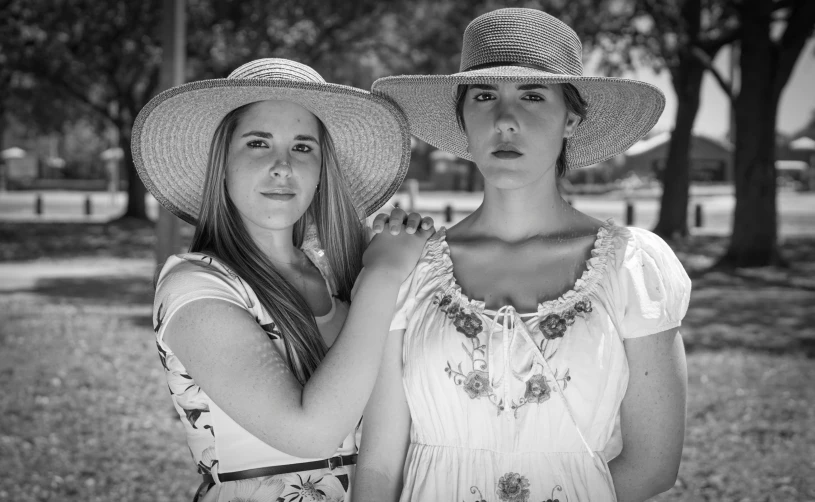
x=85 y=414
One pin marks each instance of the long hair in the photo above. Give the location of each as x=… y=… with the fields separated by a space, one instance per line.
x=220 y=232
x=572 y=98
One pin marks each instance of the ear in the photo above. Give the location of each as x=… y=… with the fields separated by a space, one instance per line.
x=572 y=121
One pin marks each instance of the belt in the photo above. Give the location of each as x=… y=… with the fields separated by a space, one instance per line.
x=330 y=463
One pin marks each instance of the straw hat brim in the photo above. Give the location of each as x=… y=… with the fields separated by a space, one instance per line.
x=620 y=111
x=173 y=132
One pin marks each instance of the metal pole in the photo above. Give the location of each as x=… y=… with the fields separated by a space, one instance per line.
x=173 y=43
x=629 y=212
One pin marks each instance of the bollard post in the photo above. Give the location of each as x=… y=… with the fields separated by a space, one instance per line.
x=413 y=193
x=88 y=207
x=699 y=219
x=38 y=205
x=448 y=213
x=629 y=212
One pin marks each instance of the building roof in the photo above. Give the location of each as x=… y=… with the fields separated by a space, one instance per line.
x=646 y=145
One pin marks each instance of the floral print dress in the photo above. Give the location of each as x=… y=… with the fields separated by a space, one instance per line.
x=217 y=443
x=525 y=407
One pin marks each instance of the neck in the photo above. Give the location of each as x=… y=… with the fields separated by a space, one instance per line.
x=514 y=215
x=278 y=246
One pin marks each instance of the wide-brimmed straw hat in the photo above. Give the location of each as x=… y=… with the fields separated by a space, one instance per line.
x=173 y=132
x=620 y=111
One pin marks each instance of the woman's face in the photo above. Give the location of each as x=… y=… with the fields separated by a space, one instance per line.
x=274 y=164
x=515 y=131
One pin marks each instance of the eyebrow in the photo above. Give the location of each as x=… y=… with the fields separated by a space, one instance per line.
x=268 y=135
x=262 y=134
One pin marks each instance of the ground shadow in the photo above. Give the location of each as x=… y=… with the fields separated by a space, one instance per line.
x=106 y=290
x=124 y=238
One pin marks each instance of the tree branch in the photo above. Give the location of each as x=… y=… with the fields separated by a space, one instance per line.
x=704 y=58
x=800 y=25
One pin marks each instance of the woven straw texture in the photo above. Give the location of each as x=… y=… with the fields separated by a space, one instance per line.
x=620 y=111
x=173 y=132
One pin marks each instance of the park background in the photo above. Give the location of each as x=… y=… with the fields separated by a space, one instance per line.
x=725 y=176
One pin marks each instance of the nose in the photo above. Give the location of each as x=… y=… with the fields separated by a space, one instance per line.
x=281 y=167
x=505 y=120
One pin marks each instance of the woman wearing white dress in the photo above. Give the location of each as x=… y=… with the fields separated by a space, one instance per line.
x=535 y=353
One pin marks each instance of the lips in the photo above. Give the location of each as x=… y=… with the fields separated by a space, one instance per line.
x=507 y=151
x=280 y=194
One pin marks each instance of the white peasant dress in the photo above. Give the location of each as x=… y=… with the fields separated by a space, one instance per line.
x=525 y=407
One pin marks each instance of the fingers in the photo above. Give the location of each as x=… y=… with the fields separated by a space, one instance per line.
x=399 y=218
x=414 y=221
x=379 y=222
x=396 y=220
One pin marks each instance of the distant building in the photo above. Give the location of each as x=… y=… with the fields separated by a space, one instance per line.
x=710 y=159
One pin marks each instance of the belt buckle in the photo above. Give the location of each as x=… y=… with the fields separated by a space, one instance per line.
x=335 y=462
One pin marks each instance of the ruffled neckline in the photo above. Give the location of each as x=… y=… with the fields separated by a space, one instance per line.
x=602 y=255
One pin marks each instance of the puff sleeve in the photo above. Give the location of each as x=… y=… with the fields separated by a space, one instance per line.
x=194 y=276
x=654 y=285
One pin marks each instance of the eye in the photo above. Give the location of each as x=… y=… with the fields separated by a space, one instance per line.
x=483 y=96
x=256 y=143
x=534 y=97
x=303 y=148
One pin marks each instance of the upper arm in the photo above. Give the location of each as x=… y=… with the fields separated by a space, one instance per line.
x=231 y=358
x=653 y=410
x=385 y=430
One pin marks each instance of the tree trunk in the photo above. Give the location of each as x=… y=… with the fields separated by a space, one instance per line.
x=136 y=207
x=673 y=212
x=754 y=241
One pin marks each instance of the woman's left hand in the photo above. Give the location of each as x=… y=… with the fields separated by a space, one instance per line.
x=399 y=219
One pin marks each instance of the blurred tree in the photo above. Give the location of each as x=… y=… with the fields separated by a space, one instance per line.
x=104 y=55
x=107 y=55
x=327 y=35
x=773 y=34
x=684 y=37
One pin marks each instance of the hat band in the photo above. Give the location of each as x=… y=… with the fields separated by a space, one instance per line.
x=497 y=64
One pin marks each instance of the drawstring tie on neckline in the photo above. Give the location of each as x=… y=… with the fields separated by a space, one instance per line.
x=500 y=376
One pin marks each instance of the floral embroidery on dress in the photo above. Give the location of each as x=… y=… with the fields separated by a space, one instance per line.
x=512 y=487
x=476 y=383
x=464 y=320
x=539 y=389
x=555 y=325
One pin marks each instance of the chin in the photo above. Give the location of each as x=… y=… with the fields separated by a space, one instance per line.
x=507 y=177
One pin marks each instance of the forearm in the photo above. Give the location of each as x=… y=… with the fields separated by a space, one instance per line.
x=635 y=482
x=386 y=433
x=346 y=376
x=371 y=484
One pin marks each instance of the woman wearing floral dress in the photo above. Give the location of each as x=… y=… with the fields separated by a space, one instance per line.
x=535 y=353
x=277 y=169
